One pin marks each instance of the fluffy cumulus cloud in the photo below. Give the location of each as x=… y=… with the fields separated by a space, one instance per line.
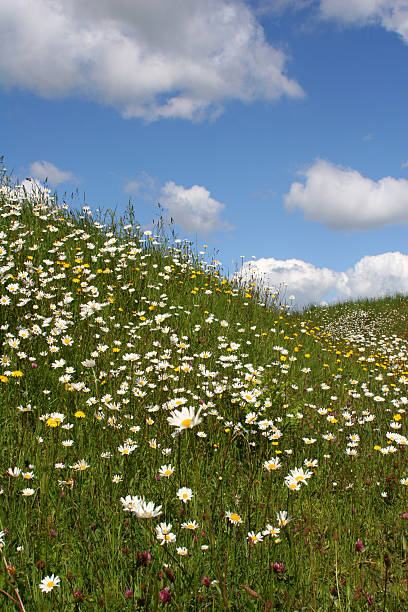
x=193 y=209
x=150 y=59
x=375 y=275
x=343 y=199
x=43 y=170
x=372 y=276
x=391 y=14
x=305 y=281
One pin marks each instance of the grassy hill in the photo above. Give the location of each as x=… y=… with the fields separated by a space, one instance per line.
x=171 y=441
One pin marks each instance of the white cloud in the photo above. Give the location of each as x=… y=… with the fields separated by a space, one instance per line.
x=150 y=59
x=375 y=275
x=343 y=199
x=372 y=276
x=305 y=281
x=391 y=14
x=193 y=209
x=145 y=186
x=43 y=170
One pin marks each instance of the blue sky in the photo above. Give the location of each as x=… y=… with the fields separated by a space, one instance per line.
x=276 y=130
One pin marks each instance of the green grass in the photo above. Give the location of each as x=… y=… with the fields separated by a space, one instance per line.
x=104 y=332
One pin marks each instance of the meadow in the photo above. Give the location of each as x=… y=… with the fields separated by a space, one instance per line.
x=175 y=440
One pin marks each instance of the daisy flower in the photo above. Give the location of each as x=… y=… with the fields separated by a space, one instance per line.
x=184 y=418
x=49 y=582
x=299 y=475
x=311 y=463
x=269 y=530
x=164 y=533
x=184 y=494
x=81 y=465
x=272 y=464
x=190 y=525
x=233 y=518
x=292 y=484
x=166 y=470
x=147 y=509
x=283 y=518
x=27 y=492
x=130 y=502
x=125 y=449
x=255 y=537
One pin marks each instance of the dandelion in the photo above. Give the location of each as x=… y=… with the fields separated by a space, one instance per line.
x=49 y=582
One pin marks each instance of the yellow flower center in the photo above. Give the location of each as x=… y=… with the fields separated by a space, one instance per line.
x=235 y=517
x=186 y=423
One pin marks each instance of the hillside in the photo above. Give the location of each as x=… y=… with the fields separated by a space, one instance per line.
x=171 y=440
